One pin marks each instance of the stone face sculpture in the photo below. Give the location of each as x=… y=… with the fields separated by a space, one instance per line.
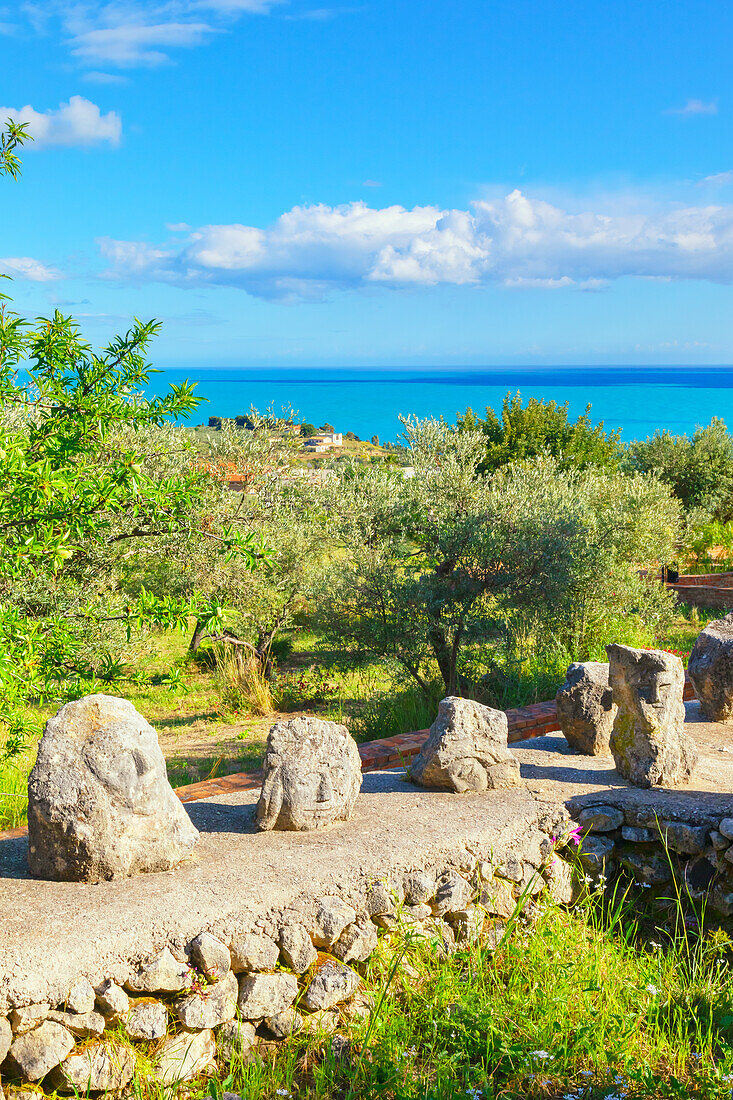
x=711 y=669
x=466 y=749
x=99 y=802
x=312 y=775
x=585 y=707
x=648 y=742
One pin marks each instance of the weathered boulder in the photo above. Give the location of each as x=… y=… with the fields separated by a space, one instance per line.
x=111 y=1000
x=210 y=955
x=284 y=1024
x=80 y=997
x=252 y=951
x=356 y=943
x=85 y=1025
x=163 y=974
x=99 y=802
x=146 y=1020
x=215 y=1005
x=585 y=707
x=312 y=775
x=453 y=893
x=332 y=916
x=35 y=1054
x=710 y=666
x=96 y=1067
x=648 y=742
x=235 y=1038
x=185 y=1056
x=600 y=819
x=331 y=984
x=296 y=948
x=29 y=1016
x=466 y=749
x=6 y=1037
x=263 y=995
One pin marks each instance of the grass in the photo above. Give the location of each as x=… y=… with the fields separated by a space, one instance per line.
x=577 y=1007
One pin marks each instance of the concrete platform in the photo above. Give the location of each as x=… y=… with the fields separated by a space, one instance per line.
x=50 y=933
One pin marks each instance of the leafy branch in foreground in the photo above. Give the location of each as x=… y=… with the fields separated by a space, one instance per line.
x=91 y=469
x=13 y=137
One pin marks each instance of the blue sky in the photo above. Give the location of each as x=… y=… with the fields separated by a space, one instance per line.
x=381 y=183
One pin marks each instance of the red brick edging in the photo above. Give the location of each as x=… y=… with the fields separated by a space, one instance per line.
x=534 y=720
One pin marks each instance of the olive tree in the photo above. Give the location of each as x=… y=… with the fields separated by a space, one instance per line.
x=432 y=567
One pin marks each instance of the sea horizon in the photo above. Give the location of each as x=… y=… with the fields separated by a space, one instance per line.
x=637 y=400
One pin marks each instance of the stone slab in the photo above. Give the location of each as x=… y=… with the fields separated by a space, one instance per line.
x=52 y=932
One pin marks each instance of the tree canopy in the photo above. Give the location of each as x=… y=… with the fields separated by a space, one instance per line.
x=524 y=431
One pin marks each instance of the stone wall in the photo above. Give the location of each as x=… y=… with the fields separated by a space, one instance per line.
x=75 y=1008
x=653 y=840
x=294 y=969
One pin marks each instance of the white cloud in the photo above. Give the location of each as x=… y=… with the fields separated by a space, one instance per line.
x=131 y=45
x=516 y=241
x=719 y=179
x=371 y=183
x=130 y=33
x=78 y=122
x=24 y=267
x=95 y=77
x=695 y=107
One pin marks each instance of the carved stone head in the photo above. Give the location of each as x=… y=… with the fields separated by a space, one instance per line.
x=648 y=683
x=312 y=775
x=649 y=743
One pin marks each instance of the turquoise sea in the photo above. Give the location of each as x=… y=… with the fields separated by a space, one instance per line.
x=638 y=400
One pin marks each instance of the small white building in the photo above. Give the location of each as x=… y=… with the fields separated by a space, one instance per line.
x=323 y=441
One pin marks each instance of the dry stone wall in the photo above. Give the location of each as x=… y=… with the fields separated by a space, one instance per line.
x=652 y=842
x=188 y=1010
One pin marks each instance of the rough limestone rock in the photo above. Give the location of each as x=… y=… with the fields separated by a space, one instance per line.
x=97 y=1067
x=6 y=1037
x=146 y=1020
x=165 y=974
x=185 y=1056
x=296 y=948
x=600 y=819
x=263 y=995
x=30 y=1016
x=356 y=943
x=466 y=749
x=585 y=707
x=453 y=893
x=216 y=1005
x=285 y=1024
x=235 y=1038
x=35 y=1054
x=648 y=742
x=251 y=951
x=312 y=775
x=112 y=1001
x=211 y=956
x=332 y=916
x=99 y=802
x=331 y=984
x=81 y=997
x=85 y=1025
x=710 y=666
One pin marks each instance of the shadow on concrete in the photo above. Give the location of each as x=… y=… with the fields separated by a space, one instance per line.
x=14 y=859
